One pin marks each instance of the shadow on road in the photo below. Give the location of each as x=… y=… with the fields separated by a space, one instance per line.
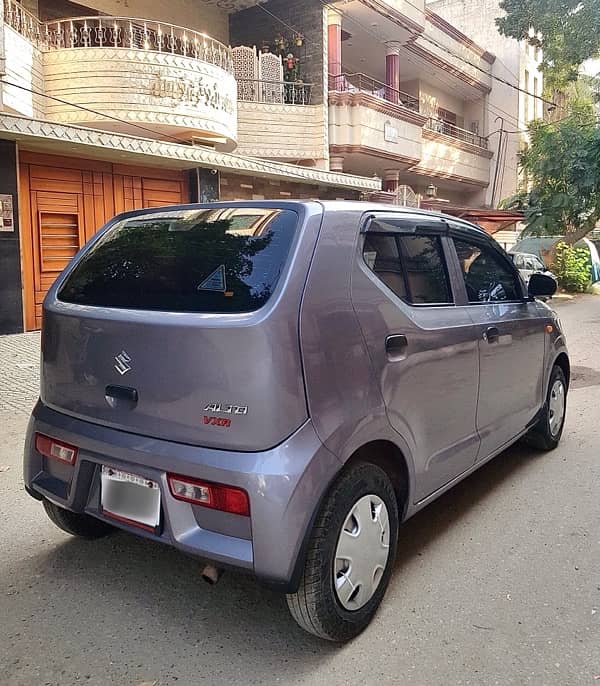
x=128 y=598
x=432 y=522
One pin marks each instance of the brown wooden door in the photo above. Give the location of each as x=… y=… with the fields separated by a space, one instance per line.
x=63 y=202
x=58 y=233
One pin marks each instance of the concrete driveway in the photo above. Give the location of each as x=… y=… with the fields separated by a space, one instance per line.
x=498 y=582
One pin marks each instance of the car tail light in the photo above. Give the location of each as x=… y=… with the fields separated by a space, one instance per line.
x=208 y=494
x=50 y=447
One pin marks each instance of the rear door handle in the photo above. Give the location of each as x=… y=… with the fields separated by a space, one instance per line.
x=395 y=347
x=121 y=396
x=491 y=334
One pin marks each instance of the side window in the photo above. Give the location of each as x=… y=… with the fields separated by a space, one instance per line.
x=488 y=278
x=382 y=256
x=411 y=266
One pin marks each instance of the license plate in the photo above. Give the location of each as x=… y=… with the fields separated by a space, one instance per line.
x=130 y=498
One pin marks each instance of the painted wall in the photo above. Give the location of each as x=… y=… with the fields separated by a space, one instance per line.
x=23 y=66
x=476 y=18
x=440 y=158
x=432 y=97
x=293 y=133
x=363 y=126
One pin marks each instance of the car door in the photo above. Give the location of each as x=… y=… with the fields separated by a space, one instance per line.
x=511 y=340
x=421 y=343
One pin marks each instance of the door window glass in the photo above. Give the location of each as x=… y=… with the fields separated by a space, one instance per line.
x=382 y=256
x=488 y=278
x=411 y=266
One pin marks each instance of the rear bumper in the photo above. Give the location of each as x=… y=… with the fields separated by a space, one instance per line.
x=285 y=486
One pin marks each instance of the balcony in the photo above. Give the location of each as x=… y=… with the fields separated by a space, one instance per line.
x=361 y=83
x=374 y=127
x=368 y=119
x=456 y=133
x=123 y=74
x=449 y=152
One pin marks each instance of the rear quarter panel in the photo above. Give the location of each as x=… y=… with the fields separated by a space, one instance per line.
x=344 y=400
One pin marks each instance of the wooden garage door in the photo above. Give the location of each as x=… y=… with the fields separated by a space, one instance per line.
x=63 y=204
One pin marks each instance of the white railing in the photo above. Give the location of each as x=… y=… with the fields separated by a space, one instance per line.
x=22 y=21
x=274 y=92
x=117 y=32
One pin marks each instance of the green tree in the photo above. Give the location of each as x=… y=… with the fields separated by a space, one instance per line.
x=561 y=167
x=568 y=31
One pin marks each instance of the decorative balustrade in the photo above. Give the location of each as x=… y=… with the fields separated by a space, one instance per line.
x=22 y=21
x=448 y=129
x=361 y=83
x=274 y=92
x=117 y=32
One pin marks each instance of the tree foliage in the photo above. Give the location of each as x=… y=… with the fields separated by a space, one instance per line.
x=572 y=267
x=561 y=168
x=568 y=31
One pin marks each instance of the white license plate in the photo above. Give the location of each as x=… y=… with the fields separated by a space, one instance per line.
x=129 y=497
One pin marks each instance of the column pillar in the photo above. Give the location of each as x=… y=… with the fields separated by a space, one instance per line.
x=392 y=72
x=11 y=304
x=334 y=49
x=391 y=180
x=336 y=164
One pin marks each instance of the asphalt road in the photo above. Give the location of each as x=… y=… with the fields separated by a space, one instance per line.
x=498 y=582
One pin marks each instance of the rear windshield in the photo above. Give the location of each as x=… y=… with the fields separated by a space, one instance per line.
x=219 y=260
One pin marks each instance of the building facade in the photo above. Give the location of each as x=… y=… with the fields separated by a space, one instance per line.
x=196 y=100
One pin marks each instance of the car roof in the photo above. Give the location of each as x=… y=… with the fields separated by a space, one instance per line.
x=329 y=206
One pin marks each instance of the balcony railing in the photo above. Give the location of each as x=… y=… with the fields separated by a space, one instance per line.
x=274 y=92
x=22 y=21
x=361 y=83
x=117 y=32
x=448 y=129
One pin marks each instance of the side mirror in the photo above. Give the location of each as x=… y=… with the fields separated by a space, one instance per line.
x=541 y=285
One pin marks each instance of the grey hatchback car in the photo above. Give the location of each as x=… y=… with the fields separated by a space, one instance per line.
x=275 y=386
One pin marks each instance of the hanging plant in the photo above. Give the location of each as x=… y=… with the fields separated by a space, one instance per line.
x=281 y=43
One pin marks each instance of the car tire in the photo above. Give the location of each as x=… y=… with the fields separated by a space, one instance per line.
x=358 y=503
x=546 y=434
x=76 y=524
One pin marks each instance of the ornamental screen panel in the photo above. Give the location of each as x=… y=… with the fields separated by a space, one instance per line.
x=245 y=70
x=270 y=69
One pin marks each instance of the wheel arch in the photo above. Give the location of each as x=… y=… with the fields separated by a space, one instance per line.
x=389 y=457
x=383 y=453
x=562 y=361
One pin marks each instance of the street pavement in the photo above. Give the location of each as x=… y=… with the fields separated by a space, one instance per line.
x=498 y=582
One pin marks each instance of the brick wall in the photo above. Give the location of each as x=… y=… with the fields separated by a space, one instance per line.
x=253 y=26
x=254 y=188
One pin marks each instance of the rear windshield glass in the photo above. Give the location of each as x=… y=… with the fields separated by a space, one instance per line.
x=219 y=260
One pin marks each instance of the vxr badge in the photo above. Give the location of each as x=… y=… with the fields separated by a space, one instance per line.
x=122 y=363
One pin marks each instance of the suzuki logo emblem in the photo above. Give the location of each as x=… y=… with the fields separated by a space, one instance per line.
x=122 y=363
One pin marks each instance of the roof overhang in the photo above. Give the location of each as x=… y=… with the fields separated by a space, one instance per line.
x=78 y=141
x=492 y=220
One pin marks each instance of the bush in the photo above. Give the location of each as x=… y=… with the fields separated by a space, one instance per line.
x=572 y=267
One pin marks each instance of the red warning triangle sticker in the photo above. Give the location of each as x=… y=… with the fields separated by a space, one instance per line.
x=215 y=281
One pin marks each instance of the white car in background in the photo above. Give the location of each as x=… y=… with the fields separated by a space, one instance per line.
x=528 y=264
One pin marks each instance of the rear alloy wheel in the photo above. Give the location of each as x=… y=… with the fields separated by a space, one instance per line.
x=75 y=523
x=350 y=556
x=546 y=434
